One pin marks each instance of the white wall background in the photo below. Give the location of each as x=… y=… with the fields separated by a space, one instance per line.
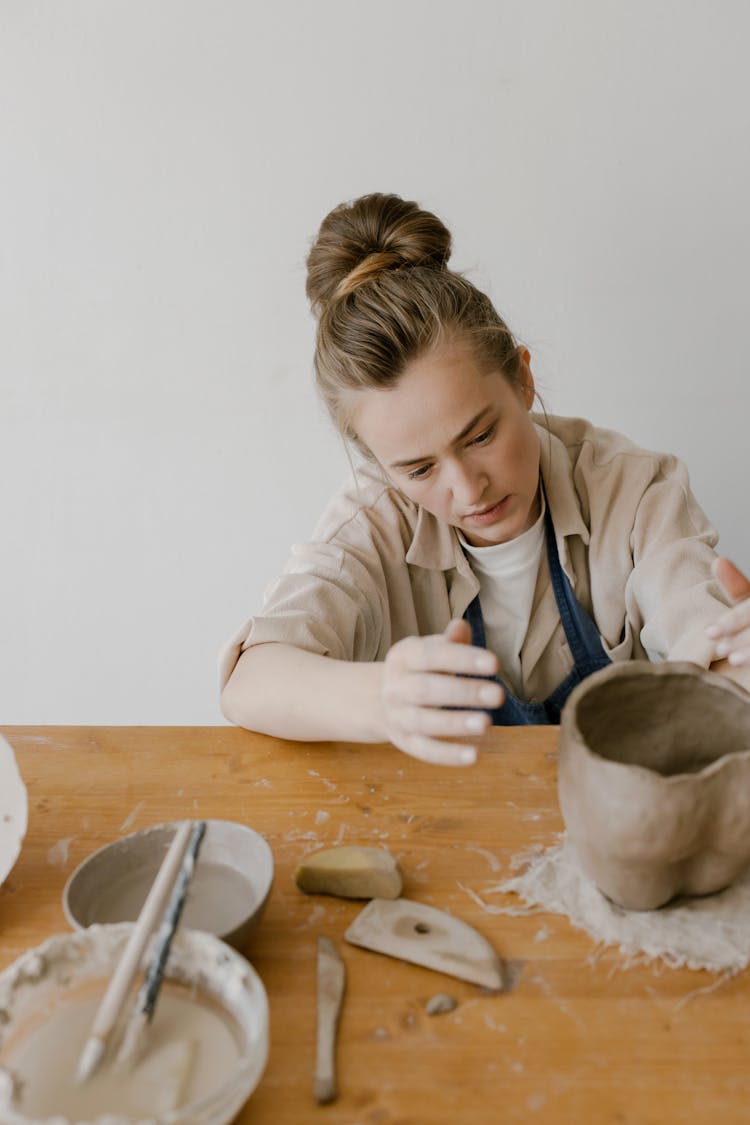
x=163 y=167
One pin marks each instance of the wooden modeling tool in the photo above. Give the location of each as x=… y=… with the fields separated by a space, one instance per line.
x=331 y=979
x=425 y=936
x=109 y=1010
x=145 y=1004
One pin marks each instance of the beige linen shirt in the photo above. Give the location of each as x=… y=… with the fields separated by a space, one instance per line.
x=631 y=538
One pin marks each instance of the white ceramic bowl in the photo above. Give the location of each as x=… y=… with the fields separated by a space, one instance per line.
x=13 y=809
x=227 y=894
x=45 y=979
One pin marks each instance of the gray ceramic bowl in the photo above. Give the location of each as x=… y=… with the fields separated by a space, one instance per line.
x=227 y=894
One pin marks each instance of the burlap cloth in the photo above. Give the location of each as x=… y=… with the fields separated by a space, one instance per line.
x=698 y=933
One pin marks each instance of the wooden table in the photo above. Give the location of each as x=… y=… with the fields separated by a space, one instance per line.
x=574 y=1042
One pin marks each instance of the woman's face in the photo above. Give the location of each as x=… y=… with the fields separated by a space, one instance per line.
x=458 y=442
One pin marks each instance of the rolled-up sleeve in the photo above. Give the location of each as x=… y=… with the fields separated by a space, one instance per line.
x=343 y=593
x=327 y=601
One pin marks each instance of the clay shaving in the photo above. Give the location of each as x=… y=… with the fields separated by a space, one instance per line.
x=695 y=933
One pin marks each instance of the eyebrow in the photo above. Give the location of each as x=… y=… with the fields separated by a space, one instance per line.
x=459 y=437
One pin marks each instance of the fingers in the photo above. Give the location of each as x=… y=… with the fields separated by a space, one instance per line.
x=732 y=622
x=439 y=654
x=435 y=690
x=444 y=724
x=458 y=631
x=735 y=647
x=407 y=687
x=732 y=630
x=430 y=689
x=731 y=578
x=438 y=753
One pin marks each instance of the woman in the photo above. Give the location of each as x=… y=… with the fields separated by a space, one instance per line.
x=485 y=559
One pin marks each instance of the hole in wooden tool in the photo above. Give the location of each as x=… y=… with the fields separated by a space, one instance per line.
x=422 y=928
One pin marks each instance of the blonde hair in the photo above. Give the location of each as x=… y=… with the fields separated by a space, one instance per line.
x=378 y=282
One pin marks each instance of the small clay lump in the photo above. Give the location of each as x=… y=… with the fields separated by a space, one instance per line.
x=350 y=872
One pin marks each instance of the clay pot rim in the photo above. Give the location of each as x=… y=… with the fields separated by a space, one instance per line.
x=677 y=668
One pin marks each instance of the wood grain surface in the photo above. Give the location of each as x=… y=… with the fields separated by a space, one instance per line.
x=579 y=1039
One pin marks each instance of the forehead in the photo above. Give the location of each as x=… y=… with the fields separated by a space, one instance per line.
x=433 y=401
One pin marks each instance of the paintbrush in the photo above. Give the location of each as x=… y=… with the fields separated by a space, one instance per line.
x=114 y=998
x=143 y=1009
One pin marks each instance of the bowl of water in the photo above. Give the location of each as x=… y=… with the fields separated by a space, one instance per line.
x=226 y=896
x=197 y=1063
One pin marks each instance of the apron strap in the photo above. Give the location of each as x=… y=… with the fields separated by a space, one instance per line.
x=580 y=632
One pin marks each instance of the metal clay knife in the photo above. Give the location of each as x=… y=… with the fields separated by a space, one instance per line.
x=331 y=978
x=414 y=932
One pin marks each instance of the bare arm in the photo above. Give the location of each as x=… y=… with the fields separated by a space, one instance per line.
x=414 y=698
x=282 y=690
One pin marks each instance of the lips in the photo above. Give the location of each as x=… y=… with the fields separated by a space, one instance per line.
x=488 y=515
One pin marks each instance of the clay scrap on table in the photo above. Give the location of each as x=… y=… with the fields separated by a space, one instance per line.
x=350 y=872
x=440 y=1003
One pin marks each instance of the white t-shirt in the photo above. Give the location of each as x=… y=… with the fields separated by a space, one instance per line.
x=507 y=575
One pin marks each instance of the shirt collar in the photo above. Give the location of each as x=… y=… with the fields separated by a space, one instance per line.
x=435 y=545
x=559 y=486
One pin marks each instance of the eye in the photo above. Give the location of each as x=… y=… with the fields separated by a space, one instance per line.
x=420 y=473
x=485 y=436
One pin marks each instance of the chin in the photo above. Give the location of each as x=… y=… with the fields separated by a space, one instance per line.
x=501 y=532
x=489 y=537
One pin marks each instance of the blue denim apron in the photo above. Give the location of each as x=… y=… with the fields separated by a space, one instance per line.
x=582 y=636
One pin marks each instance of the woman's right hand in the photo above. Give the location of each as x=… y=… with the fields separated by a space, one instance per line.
x=422 y=677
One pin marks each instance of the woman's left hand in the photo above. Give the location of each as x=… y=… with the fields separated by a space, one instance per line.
x=731 y=631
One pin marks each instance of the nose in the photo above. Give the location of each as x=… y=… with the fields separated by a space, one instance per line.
x=468 y=483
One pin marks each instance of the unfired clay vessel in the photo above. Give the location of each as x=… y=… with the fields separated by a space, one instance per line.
x=654 y=781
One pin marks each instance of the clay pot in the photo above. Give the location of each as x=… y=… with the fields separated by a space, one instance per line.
x=654 y=781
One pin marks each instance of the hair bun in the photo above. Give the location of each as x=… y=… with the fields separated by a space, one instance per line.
x=372 y=234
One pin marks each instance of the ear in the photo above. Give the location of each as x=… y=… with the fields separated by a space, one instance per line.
x=526 y=379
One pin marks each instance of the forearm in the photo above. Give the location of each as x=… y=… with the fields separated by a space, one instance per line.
x=290 y=693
